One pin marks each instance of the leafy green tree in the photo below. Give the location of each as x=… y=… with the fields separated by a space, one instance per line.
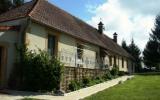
x=135 y=52
x=151 y=52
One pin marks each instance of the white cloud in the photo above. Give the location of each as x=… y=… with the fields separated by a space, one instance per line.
x=129 y=18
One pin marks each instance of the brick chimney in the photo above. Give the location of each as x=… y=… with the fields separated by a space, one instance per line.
x=100 y=27
x=115 y=37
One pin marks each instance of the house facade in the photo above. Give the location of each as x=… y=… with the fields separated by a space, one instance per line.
x=41 y=25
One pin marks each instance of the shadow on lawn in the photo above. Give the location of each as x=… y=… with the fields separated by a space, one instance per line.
x=148 y=73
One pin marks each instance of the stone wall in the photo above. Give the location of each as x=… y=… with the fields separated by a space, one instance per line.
x=76 y=73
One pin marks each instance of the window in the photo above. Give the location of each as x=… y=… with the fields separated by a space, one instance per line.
x=122 y=62
x=127 y=63
x=114 y=60
x=51 y=45
x=79 y=51
x=118 y=61
x=97 y=56
x=110 y=60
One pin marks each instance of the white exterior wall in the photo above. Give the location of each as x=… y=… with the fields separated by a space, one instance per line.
x=106 y=62
x=125 y=65
x=67 y=47
x=67 y=50
x=124 y=68
x=112 y=61
x=117 y=60
x=120 y=63
x=36 y=37
x=90 y=56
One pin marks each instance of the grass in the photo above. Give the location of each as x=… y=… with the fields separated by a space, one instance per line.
x=141 y=87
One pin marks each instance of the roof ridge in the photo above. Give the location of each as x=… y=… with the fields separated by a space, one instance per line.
x=34 y=6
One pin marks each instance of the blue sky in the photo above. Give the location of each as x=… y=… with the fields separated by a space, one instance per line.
x=77 y=7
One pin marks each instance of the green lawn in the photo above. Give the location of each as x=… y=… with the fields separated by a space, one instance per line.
x=141 y=87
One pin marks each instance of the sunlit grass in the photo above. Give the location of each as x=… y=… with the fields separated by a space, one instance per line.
x=142 y=87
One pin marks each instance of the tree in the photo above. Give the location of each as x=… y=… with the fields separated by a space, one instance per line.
x=151 y=52
x=135 y=52
x=124 y=46
x=17 y=3
x=6 y=5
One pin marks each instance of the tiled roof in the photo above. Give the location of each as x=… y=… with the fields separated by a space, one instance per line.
x=45 y=13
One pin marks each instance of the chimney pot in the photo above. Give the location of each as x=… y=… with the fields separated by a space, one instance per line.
x=100 y=27
x=115 y=37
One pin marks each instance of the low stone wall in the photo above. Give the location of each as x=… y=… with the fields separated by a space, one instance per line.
x=77 y=73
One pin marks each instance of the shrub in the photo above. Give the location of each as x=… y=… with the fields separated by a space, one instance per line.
x=85 y=81
x=107 y=75
x=99 y=80
x=121 y=73
x=114 y=70
x=74 y=85
x=39 y=71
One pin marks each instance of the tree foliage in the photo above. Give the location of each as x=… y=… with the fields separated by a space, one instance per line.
x=134 y=50
x=36 y=71
x=152 y=50
x=6 y=5
x=17 y=3
x=124 y=46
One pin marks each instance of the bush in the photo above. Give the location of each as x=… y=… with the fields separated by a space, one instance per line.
x=85 y=81
x=74 y=85
x=114 y=70
x=99 y=80
x=107 y=75
x=39 y=71
x=121 y=73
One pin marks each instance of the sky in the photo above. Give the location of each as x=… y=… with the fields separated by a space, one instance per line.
x=129 y=18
